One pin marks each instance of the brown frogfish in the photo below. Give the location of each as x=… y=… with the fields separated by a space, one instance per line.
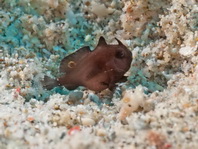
x=96 y=70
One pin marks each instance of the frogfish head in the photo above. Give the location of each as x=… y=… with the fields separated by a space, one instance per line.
x=121 y=57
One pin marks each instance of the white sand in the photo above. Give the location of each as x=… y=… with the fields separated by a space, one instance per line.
x=157 y=108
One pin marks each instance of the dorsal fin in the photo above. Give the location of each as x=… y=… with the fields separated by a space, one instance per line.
x=69 y=62
x=119 y=42
x=101 y=41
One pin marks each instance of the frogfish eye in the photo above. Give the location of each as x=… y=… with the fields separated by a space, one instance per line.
x=119 y=54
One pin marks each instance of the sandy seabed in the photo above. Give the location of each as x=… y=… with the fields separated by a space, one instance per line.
x=157 y=108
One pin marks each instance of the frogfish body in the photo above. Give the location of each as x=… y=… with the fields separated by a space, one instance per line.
x=96 y=70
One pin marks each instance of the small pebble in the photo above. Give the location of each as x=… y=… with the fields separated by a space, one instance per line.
x=94 y=98
x=87 y=121
x=101 y=132
x=74 y=130
x=75 y=96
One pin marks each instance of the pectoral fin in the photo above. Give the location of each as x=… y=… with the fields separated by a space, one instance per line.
x=123 y=79
x=112 y=84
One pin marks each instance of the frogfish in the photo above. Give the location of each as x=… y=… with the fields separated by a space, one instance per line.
x=96 y=70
